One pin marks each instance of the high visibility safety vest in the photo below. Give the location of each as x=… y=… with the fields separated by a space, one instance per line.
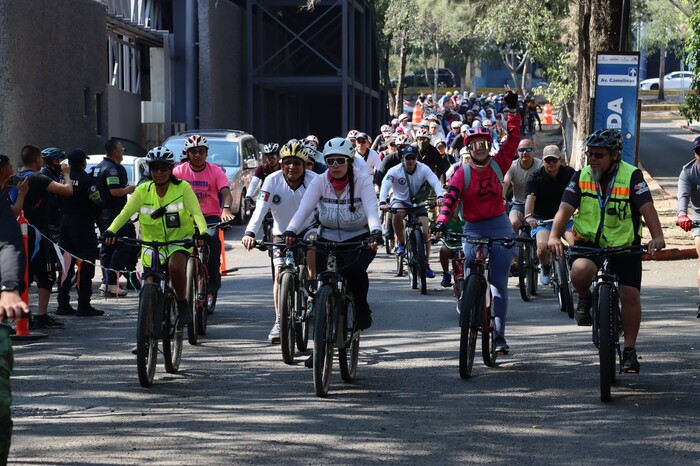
x=605 y=218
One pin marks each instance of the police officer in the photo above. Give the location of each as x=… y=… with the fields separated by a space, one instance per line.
x=78 y=236
x=112 y=181
x=52 y=157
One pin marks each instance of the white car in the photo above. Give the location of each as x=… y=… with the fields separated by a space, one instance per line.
x=134 y=166
x=675 y=80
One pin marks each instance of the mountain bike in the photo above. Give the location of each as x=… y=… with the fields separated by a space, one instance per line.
x=388 y=231
x=457 y=266
x=605 y=312
x=158 y=316
x=334 y=320
x=476 y=315
x=414 y=258
x=294 y=299
x=559 y=278
x=528 y=267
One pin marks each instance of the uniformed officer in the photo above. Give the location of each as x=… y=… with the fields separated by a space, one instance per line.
x=78 y=236
x=112 y=181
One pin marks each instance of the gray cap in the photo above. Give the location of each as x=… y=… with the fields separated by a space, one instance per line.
x=551 y=151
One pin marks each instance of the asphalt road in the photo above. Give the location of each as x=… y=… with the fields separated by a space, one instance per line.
x=77 y=399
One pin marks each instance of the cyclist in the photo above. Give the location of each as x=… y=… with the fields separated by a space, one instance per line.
x=167 y=207
x=517 y=176
x=347 y=212
x=210 y=184
x=611 y=197
x=483 y=208
x=271 y=153
x=281 y=195
x=689 y=200
x=381 y=142
x=406 y=180
x=532 y=108
x=545 y=188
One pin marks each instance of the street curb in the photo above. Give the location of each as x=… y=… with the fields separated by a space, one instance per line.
x=690 y=128
x=671 y=255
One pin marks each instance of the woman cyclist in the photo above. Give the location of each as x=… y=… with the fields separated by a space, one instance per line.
x=483 y=207
x=166 y=206
x=271 y=152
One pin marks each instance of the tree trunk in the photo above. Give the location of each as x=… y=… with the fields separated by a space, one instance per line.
x=386 y=80
x=662 y=70
x=403 y=51
x=472 y=76
x=437 y=68
x=526 y=80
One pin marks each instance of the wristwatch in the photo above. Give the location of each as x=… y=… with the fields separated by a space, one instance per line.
x=9 y=286
x=227 y=206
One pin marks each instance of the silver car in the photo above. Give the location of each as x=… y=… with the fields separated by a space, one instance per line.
x=237 y=152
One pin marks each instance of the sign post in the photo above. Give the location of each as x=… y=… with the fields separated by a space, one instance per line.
x=616 y=92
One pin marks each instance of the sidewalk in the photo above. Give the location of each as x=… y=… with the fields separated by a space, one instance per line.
x=679 y=245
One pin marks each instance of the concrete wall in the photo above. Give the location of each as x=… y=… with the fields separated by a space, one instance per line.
x=222 y=66
x=124 y=114
x=50 y=52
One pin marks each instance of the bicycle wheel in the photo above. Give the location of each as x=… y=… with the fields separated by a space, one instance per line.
x=172 y=334
x=457 y=289
x=202 y=294
x=488 y=333
x=302 y=315
x=286 y=300
x=606 y=345
x=566 y=297
x=469 y=323
x=532 y=254
x=348 y=355
x=399 y=265
x=524 y=275
x=146 y=339
x=323 y=340
x=388 y=242
x=191 y=296
x=411 y=263
x=419 y=258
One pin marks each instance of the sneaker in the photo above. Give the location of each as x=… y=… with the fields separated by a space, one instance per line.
x=65 y=310
x=309 y=363
x=400 y=249
x=363 y=321
x=88 y=311
x=630 y=364
x=501 y=346
x=446 y=280
x=114 y=290
x=274 y=335
x=429 y=272
x=45 y=321
x=583 y=312
x=184 y=316
x=544 y=275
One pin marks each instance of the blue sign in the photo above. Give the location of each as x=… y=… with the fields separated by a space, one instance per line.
x=616 y=88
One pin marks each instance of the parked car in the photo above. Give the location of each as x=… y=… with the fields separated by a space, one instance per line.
x=446 y=78
x=237 y=152
x=675 y=80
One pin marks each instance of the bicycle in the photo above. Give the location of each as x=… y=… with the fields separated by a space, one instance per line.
x=476 y=314
x=157 y=319
x=457 y=264
x=606 y=313
x=294 y=300
x=267 y=223
x=388 y=230
x=528 y=264
x=415 y=257
x=334 y=320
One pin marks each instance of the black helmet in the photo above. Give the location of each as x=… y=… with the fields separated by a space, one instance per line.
x=610 y=139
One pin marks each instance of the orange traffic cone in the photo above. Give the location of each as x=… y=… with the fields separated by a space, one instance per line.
x=222 y=268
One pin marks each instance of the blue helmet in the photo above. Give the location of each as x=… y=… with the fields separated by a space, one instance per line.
x=53 y=153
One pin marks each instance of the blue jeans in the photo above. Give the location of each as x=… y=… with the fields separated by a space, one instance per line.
x=500 y=260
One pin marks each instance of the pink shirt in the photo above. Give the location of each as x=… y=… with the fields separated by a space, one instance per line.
x=206 y=183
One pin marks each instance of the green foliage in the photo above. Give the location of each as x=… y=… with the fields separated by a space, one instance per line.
x=691 y=109
x=666 y=26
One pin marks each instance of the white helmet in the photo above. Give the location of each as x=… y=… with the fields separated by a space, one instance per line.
x=160 y=154
x=339 y=146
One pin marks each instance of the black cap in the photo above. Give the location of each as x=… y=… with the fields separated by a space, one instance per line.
x=696 y=142
x=76 y=156
x=410 y=151
x=4 y=158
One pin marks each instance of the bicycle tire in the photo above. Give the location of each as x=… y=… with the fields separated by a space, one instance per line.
x=146 y=339
x=388 y=242
x=399 y=265
x=191 y=297
x=532 y=251
x=323 y=340
x=524 y=276
x=302 y=317
x=566 y=297
x=348 y=356
x=469 y=325
x=488 y=333
x=419 y=254
x=606 y=345
x=411 y=262
x=286 y=300
x=172 y=334
x=457 y=289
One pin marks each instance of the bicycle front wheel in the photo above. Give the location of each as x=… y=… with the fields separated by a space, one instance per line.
x=323 y=340
x=399 y=265
x=524 y=275
x=286 y=302
x=606 y=346
x=303 y=314
x=202 y=295
x=191 y=296
x=488 y=333
x=172 y=334
x=348 y=356
x=146 y=336
x=419 y=259
x=566 y=298
x=469 y=323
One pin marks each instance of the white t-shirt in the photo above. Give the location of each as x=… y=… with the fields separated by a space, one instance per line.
x=398 y=179
x=372 y=159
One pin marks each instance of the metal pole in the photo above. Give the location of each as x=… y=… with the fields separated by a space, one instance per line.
x=191 y=82
x=624 y=24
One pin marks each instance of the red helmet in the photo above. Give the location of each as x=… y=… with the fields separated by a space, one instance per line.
x=477 y=133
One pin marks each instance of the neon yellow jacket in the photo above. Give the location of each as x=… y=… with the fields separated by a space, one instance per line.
x=176 y=223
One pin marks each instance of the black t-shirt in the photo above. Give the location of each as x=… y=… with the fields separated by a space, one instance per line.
x=36 y=202
x=458 y=143
x=110 y=175
x=54 y=200
x=548 y=191
x=86 y=203
x=438 y=164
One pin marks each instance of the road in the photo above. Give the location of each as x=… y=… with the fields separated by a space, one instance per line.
x=77 y=399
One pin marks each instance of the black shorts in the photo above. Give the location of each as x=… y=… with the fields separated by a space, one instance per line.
x=627 y=267
x=41 y=265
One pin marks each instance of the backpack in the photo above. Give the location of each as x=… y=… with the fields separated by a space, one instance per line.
x=468 y=178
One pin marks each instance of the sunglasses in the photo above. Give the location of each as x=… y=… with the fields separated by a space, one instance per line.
x=550 y=160
x=410 y=157
x=292 y=162
x=596 y=155
x=336 y=161
x=525 y=149
x=361 y=141
x=160 y=168
x=271 y=156
x=200 y=151
x=477 y=145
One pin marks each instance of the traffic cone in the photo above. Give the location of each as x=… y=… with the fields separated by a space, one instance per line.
x=223 y=270
x=22 y=330
x=547 y=114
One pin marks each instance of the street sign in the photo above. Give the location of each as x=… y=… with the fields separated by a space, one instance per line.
x=616 y=88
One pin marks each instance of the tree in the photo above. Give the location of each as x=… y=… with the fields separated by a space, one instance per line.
x=691 y=109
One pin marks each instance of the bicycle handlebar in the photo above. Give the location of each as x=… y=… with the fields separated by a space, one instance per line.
x=507 y=241
x=223 y=225
x=413 y=206
x=588 y=251
x=188 y=242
